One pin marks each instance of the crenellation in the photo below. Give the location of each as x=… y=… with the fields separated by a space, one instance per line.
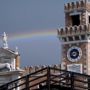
x=36 y=68
x=73 y=30
x=85 y=27
x=75 y=5
x=82 y=3
x=76 y=29
x=56 y=66
x=65 y=7
x=62 y=31
x=68 y=6
x=80 y=28
x=31 y=69
x=67 y=30
x=43 y=66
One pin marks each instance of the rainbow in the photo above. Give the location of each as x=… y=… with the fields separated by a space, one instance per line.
x=30 y=35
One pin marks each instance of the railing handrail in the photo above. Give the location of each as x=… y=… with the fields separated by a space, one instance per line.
x=64 y=76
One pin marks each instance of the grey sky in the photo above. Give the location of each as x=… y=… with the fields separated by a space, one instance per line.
x=29 y=14
x=17 y=16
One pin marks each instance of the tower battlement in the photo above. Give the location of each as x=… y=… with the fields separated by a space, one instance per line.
x=74 y=33
x=75 y=6
x=73 y=30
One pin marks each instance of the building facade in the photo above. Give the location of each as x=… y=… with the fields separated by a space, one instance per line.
x=75 y=37
x=9 y=63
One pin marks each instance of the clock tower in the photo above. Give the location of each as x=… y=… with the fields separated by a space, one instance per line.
x=75 y=37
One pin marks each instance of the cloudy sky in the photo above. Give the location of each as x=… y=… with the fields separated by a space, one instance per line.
x=31 y=26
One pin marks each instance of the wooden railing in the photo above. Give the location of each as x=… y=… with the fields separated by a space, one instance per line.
x=49 y=79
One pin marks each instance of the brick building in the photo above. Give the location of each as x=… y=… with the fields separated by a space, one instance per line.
x=75 y=37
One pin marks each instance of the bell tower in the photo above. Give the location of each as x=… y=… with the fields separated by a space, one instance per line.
x=75 y=37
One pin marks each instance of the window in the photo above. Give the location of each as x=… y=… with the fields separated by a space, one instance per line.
x=75 y=20
x=70 y=38
x=64 y=39
x=83 y=37
x=76 y=37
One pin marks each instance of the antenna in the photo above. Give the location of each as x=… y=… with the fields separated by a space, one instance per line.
x=5 y=44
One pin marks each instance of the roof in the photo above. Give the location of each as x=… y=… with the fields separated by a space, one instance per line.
x=7 y=52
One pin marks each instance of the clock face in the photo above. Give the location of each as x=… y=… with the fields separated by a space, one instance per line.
x=74 y=54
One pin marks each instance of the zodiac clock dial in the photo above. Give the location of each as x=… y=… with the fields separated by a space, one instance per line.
x=74 y=54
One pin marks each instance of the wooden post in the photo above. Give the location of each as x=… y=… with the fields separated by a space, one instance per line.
x=48 y=78
x=27 y=83
x=72 y=81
